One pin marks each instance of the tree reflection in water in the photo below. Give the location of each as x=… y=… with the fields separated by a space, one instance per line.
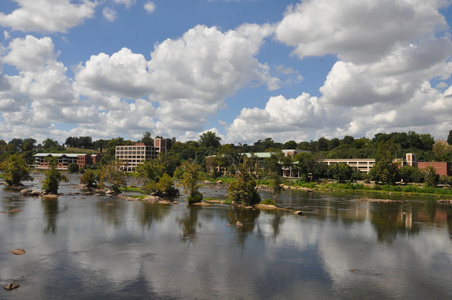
x=189 y=223
x=112 y=211
x=148 y=213
x=247 y=217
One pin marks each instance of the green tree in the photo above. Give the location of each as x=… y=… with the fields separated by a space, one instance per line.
x=276 y=185
x=385 y=169
x=52 y=178
x=72 y=167
x=209 y=139
x=89 y=178
x=29 y=144
x=190 y=181
x=410 y=174
x=430 y=176
x=151 y=169
x=449 y=138
x=147 y=139
x=340 y=171
x=15 y=170
x=243 y=190
x=111 y=173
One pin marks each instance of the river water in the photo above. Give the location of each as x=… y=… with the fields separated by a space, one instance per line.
x=101 y=247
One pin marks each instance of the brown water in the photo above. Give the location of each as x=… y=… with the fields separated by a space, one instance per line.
x=88 y=247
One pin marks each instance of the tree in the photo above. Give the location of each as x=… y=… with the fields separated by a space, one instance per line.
x=276 y=185
x=243 y=189
x=449 y=138
x=430 y=177
x=48 y=144
x=209 y=139
x=410 y=174
x=340 y=171
x=73 y=167
x=111 y=173
x=147 y=139
x=385 y=169
x=190 y=181
x=290 y=145
x=53 y=177
x=15 y=170
x=89 y=178
x=28 y=144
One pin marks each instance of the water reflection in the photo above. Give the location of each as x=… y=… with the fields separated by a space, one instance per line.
x=188 y=223
x=147 y=213
x=340 y=248
x=50 y=208
x=247 y=222
x=112 y=211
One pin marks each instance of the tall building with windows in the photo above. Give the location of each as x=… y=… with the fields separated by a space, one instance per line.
x=133 y=155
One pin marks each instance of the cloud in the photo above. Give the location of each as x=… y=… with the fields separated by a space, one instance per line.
x=123 y=74
x=109 y=14
x=127 y=3
x=47 y=16
x=294 y=118
x=357 y=31
x=192 y=76
x=150 y=7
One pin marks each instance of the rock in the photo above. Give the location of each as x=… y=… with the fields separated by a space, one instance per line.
x=266 y=206
x=18 y=251
x=219 y=182
x=200 y=204
x=238 y=224
x=11 y=286
x=35 y=193
x=25 y=192
x=15 y=210
x=152 y=199
x=50 y=196
x=298 y=213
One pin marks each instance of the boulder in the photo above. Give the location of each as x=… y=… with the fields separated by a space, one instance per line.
x=238 y=224
x=11 y=286
x=298 y=213
x=18 y=251
x=26 y=192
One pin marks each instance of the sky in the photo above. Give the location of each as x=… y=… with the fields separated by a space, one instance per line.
x=244 y=69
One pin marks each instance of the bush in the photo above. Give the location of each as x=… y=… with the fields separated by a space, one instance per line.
x=194 y=197
x=72 y=168
x=268 y=202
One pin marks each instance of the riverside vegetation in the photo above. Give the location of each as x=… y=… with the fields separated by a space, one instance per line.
x=207 y=159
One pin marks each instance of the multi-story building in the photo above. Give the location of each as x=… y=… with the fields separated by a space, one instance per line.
x=133 y=155
x=365 y=164
x=64 y=159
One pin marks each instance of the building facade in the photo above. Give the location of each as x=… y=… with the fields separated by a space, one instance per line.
x=65 y=159
x=365 y=164
x=133 y=155
x=441 y=168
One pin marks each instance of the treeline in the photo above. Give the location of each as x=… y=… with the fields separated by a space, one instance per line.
x=209 y=144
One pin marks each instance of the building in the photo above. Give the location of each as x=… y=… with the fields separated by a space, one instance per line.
x=365 y=164
x=65 y=159
x=362 y=164
x=441 y=168
x=133 y=155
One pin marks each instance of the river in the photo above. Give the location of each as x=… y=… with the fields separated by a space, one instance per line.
x=100 y=247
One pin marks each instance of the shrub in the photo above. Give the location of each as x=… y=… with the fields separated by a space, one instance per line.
x=268 y=202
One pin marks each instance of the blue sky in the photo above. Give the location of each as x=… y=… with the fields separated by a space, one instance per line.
x=245 y=69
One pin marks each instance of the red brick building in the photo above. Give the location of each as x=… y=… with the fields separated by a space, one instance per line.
x=441 y=168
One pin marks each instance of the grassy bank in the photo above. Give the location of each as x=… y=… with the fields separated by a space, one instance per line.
x=403 y=189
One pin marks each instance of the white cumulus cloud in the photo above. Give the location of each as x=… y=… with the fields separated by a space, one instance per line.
x=47 y=16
